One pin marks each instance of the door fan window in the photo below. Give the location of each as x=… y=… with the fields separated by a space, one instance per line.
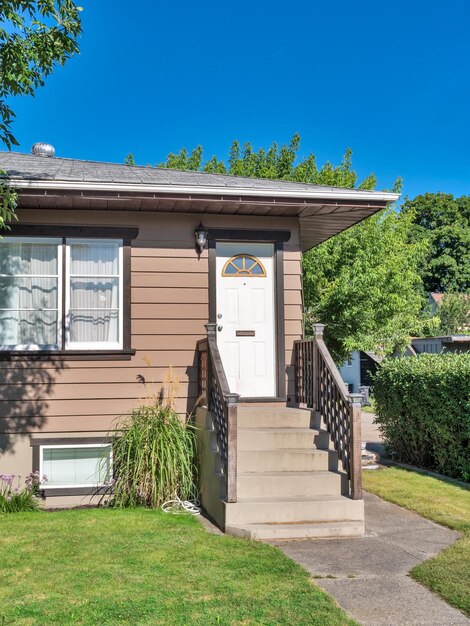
x=244 y=265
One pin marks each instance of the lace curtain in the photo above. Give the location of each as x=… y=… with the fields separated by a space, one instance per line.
x=29 y=293
x=30 y=310
x=94 y=292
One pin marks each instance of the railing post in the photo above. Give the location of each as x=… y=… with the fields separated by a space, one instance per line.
x=355 y=453
x=211 y=329
x=231 y=399
x=318 y=334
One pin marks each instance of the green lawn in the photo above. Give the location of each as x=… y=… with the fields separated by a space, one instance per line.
x=101 y=566
x=441 y=501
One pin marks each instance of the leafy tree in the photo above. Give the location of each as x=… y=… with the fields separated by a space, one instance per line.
x=278 y=162
x=35 y=35
x=129 y=159
x=8 y=203
x=364 y=285
x=444 y=221
x=454 y=314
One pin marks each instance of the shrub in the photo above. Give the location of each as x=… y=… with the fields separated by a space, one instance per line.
x=14 y=498
x=154 y=458
x=423 y=411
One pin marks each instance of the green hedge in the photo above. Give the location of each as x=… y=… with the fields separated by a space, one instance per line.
x=423 y=411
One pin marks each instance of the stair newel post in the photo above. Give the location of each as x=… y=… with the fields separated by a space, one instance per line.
x=355 y=453
x=231 y=400
x=211 y=329
x=318 y=334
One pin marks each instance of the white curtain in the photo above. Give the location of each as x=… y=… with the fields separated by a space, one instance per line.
x=28 y=293
x=94 y=291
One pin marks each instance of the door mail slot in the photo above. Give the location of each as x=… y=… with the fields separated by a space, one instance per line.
x=245 y=333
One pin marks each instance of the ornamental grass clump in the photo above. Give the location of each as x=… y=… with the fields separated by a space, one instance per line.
x=14 y=498
x=154 y=455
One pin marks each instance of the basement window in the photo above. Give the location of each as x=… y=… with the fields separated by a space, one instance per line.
x=86 y=465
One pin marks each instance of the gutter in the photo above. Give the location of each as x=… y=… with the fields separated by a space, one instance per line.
x=192 y=190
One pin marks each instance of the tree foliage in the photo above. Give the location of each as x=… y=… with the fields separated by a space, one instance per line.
x=454 y=314
x=129 y=159
x=364 y=285
x=277 y=162
x=444 y=222
x=8 y=203
x=35 y=35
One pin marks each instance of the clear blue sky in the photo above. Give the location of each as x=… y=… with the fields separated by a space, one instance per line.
x=389 y=79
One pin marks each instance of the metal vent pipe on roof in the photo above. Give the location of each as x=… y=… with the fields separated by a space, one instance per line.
x=43 y=149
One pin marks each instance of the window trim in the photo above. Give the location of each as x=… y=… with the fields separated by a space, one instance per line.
x=43 y=447
x=58 y=241
x=44 y=231
x=84 y=345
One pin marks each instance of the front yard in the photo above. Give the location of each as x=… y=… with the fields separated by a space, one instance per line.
x=139 y=566
x=442 y=501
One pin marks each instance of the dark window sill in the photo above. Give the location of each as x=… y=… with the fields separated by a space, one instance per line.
x=67 y=355
x=74 y=491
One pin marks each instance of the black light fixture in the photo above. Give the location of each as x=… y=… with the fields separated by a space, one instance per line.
x=201 y=233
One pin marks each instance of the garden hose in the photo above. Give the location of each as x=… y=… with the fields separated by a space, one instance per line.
x=181 y=506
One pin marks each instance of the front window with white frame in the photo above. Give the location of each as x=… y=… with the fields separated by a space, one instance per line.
x=71 y=466
x=61 y=293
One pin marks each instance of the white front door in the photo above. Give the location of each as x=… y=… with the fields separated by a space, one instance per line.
x=246 y=317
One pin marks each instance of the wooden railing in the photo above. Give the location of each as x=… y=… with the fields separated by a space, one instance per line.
x=319 y=386
x=215 y=394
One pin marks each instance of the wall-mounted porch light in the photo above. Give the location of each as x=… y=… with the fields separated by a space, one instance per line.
x=200 y=234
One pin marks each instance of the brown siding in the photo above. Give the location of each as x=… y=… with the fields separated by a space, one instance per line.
x=169 y=307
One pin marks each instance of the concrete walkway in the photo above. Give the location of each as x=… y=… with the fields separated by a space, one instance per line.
x=369 y=575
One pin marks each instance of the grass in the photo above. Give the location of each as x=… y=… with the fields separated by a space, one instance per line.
x=443 y=501
x=137 y=566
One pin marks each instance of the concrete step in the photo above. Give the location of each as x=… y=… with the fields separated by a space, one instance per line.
x=290 y=484
x=281 y=438
x=263 y=417
x=294 y=460
x=313 y=509
x=308 y=530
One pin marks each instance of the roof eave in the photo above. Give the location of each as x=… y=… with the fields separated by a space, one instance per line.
x=338 y=194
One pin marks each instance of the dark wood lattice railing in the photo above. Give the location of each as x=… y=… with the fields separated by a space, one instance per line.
x=319 y=386
x=215 y=394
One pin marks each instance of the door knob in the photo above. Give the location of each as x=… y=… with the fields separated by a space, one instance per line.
x=219 y=316
x=219 y=328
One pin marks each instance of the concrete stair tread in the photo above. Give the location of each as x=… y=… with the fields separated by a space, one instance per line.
x=315 y=474
x=323 y=498
x=311 y=450
x=292 y=530
x=277 y=429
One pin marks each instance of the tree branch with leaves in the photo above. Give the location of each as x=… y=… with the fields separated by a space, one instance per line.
x=35 y=36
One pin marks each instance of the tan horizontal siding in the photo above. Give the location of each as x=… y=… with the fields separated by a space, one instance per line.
x=159 y=310
x=159 y=280
x=103 y=391
x=165 y=326
x=163 y=264
x=166 y=295
x=169 y=307
x=76 y=407
x=39 y=378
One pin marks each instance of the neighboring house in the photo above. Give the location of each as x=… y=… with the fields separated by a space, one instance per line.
x=359 y=369
x=103 y=284
x=436 y=345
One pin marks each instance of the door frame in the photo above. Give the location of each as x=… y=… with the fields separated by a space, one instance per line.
x=278 y=238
